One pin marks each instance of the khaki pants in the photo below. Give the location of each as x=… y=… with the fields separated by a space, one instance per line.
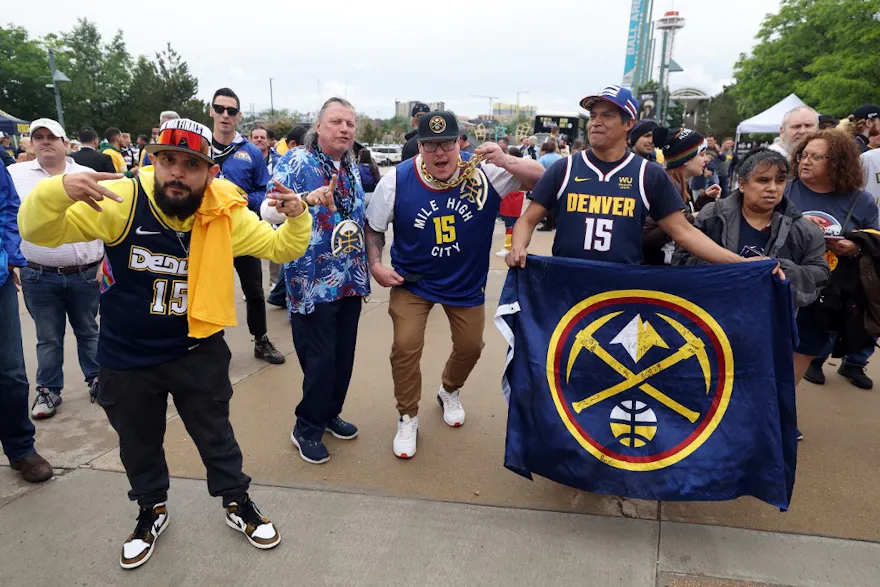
x=274 y=273
x=409 y=313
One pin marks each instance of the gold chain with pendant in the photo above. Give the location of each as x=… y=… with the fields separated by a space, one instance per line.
x=467 y=170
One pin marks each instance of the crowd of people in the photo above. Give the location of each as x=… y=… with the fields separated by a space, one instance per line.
x=150 y=239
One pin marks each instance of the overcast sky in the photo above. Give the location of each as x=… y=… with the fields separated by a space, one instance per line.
x=376 y=52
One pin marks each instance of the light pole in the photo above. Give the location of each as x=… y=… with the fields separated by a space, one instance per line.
x=518 y=92
x=271 y=98
x=57 y=76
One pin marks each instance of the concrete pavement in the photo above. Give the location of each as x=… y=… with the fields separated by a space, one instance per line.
x=451 y=514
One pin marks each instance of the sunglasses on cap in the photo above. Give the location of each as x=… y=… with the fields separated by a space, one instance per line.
x=230 y=109
x=184 y=139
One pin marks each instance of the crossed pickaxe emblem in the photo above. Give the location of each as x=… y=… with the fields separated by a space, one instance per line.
x=474 y=189
x=693 y=347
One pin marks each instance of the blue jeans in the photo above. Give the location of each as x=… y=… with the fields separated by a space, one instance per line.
x=16 y=429
x=859 y=359
x=51 y=300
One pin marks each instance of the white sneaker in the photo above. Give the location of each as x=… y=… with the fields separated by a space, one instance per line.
x=502 y=253
x=404 y=445
x=138 y=548
x=453 y=413
x=45 y=404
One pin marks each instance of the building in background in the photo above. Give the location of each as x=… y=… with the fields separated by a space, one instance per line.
x=512 y=111
x=404 y=109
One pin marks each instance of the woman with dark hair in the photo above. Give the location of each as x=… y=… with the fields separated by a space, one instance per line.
x=369 y=171
x=758 y=219
x=828 y=189
x=685 y=153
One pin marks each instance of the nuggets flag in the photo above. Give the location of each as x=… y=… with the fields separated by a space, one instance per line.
x=651 y=382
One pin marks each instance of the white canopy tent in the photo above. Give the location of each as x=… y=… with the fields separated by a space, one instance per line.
x=770 y=120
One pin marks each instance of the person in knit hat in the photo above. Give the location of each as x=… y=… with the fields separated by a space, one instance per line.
x=641 y=139
x=685 y=153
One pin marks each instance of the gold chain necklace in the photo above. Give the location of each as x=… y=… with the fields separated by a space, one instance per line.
x=468 y=167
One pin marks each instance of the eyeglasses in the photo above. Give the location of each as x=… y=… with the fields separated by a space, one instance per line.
x=230 y=109
x=186 y=139
x=814 y=158
x=431 y=147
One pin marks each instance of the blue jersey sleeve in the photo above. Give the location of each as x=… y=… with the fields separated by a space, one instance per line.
x=550 y=183
x=662 y=194
x=259 y=180
x=9 y=237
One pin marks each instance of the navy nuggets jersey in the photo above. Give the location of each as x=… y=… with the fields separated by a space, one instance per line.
x=601 y=207
x=143 y=312
x=442 y=238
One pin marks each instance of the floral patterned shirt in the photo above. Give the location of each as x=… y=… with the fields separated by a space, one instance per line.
x=321 y=276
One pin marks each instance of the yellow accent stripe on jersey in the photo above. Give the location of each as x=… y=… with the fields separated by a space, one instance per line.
x=130 y=220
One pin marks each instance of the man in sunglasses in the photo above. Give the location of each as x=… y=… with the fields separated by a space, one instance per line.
x=242 y=163
x=443 y=224
x=169 y=236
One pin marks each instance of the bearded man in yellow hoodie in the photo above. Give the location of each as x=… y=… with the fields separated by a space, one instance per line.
x=169 y=236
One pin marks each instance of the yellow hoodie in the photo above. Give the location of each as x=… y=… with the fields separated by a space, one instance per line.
x=223 y=226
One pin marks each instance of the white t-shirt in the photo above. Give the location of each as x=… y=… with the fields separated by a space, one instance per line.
x=871 y=165
x=380 y=212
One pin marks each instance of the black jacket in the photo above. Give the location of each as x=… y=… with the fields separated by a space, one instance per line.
x=411 y=148
x=93 y=159
x=851 y=303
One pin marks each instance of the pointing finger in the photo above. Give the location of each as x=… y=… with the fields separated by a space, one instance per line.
x=332 y=186
x=103 y=176
x=108 y=193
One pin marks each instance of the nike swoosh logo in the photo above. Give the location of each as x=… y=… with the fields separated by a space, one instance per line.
x=579 y=179
x=141 y=231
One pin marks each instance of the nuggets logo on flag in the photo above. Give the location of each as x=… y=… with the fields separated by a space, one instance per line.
x=652 y=383
x=624 y=348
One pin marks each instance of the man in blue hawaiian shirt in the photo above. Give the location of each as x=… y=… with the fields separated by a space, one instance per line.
x=325 y=286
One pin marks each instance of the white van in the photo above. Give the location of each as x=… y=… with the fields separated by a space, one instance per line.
x=386 y=154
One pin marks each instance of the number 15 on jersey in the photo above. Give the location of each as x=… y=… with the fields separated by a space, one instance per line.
x=598 y=234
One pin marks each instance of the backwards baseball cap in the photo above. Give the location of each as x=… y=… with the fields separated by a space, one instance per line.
x=51 y=125
x=867 y=112
x=186 y=136
x=438 y=126
x=679 y=145
x=419 y=108
x=620 y=97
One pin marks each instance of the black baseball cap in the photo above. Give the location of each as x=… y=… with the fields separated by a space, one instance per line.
x=867 y=112
x=419 y=108
x=829 y=118
x=438 y=126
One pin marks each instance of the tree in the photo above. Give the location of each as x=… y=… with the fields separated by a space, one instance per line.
x=24 y=73
x=721 y=117
x=368 y=131
x=823 y=50
x=165 y=83
x=100 y=75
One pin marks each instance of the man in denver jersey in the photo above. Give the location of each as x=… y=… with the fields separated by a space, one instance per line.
x=603 y=195
x=440 y=255
x=170 y=236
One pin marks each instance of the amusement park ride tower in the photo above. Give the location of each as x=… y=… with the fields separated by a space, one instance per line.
x=669 y=24
x=640 y=46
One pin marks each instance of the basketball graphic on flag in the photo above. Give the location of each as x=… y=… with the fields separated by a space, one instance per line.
x=633 y=423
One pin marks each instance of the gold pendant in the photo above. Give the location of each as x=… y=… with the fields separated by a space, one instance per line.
x=475 y=189
x=347 y=238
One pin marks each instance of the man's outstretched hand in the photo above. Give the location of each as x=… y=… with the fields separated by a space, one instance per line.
x=83 y=187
